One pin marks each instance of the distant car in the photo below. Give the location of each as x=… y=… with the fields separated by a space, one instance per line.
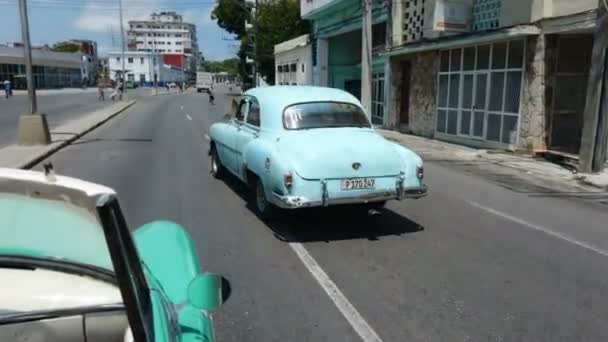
x=311 y=146
x=131 y=84
x=72 y=270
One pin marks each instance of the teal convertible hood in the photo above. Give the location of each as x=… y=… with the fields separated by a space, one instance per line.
x=53 y=229
x=331 y=153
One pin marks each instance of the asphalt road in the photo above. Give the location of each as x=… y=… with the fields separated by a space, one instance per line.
x=474 y=261
x=58 y=106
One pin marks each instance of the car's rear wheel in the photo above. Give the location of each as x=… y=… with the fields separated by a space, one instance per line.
x=217 y=169
x=265 y=209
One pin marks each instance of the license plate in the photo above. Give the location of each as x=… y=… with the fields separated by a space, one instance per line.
x=358 y=183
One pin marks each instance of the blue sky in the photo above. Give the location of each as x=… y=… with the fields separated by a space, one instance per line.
x=56 y=20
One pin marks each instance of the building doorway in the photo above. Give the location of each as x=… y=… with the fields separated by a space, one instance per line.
x=404 y=110
x=572 y=66
x=353 y=87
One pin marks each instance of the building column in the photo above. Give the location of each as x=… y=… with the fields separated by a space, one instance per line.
x=594 y=141
x=322 y=62
x=533 y=111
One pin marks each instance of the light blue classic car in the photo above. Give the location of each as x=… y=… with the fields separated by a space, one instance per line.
x=311 y=146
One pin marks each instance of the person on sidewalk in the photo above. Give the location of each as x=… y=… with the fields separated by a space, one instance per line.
x=100 y=86
x=7 y=88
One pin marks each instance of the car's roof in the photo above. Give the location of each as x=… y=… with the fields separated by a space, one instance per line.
x=273 y=100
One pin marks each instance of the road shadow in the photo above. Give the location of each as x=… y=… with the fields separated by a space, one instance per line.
x=329 y=224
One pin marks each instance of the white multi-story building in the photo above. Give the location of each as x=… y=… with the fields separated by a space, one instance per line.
x=165 y=32
x=145 y=67
x=293 y=62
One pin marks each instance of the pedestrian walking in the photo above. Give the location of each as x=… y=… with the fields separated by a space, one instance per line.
x=117 y=90
x=7 y=88
x=211 y=97
x=100 y=86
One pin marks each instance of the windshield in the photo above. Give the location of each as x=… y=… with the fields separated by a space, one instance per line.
x=51 y=229
x=324 y=114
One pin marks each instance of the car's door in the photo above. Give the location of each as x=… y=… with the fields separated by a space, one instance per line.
x=227 y=148
x=249 y=130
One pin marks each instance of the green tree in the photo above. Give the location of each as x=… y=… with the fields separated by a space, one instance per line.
x=277 y=21
x=231 y=16
x=65 y=47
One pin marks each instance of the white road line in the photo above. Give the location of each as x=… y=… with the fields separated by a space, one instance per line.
x=181 y=107
x=541 y=229
x=188 y=117
x=207 y=137
x=351 y=314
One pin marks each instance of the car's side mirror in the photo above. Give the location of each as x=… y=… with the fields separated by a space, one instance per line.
x=208 y=291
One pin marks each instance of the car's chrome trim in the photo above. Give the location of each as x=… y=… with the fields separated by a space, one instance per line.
x=294 y=202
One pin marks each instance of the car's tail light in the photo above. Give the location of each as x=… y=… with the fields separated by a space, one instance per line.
x=288 y=180
x=420 y=172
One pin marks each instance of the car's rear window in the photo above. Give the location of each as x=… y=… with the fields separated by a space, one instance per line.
x=324 y=114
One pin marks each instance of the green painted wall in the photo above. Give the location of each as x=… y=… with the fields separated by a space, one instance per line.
x=341 y=22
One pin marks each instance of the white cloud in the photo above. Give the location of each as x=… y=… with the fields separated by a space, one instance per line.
x=100 y=18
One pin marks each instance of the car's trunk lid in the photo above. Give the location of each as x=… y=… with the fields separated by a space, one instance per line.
x=339 y=153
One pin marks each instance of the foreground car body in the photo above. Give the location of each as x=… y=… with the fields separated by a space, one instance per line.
x=312 y=146
x=74 y=272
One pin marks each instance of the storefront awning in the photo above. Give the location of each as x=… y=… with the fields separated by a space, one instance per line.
x=466 y=39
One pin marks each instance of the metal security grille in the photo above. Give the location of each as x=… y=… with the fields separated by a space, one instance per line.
x=486 y=14
x=413 y=20
x=377 y=98
x=479 y=91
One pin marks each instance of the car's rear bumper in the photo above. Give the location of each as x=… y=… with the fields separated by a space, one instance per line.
x=293 y=202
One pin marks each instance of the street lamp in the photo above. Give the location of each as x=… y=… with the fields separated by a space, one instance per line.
x=33 y=128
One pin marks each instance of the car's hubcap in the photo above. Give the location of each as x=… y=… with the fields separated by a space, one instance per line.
x=261 y=197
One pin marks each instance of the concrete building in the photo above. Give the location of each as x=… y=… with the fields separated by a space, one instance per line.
x=504 y=74
x=90 y=59
x=293 y=62
x=51 y=69
x=336 y=47
x=165 y=32
x=145 y=68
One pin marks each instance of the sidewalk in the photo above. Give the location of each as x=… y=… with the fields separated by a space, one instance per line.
x=519 y=165
x=23 y=157
x=60 y=91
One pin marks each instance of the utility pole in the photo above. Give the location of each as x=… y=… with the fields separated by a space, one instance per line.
x=122 y=46
x=33 y=127
x=255 y=44
x=594 y=139
x=366 y=56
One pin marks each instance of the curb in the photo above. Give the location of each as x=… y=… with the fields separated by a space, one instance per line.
x=28 y=164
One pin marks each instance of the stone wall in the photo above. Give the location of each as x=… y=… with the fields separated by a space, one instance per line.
x=423 y=87
x=423 y=90
x=532 y=129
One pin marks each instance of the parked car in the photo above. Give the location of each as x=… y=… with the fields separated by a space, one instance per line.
x=72 y=270
x=302 y=146
x=131 y=84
